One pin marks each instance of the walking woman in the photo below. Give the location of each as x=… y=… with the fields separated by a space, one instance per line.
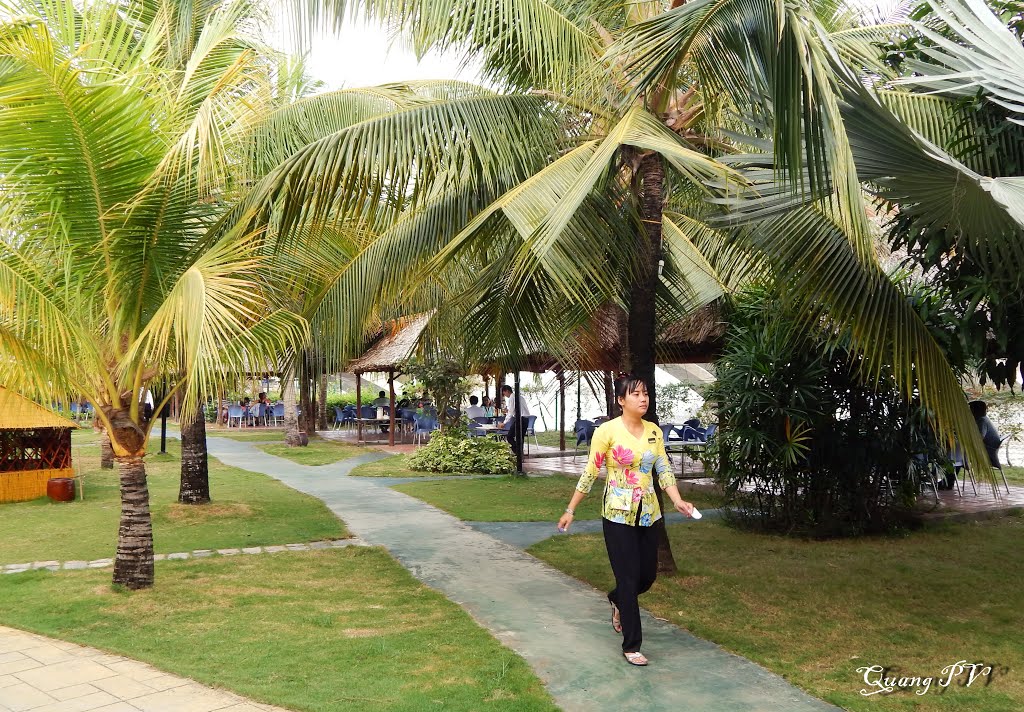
x=633 y=452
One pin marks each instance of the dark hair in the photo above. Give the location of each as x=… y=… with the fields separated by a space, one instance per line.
x=473 y=400
x=978 y=408
x=626 y=383
x=506 y=388
x=381 y=394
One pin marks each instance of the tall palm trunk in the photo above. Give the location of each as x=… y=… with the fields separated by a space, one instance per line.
x=641 y=318
x=133 y=567
x=106 y=451
x=307 y=398
x=195 y=469
x=292 y=434
x=321 y=405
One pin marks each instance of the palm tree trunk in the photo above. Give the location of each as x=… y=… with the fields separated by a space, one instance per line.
x=292 y=435
x=133 y=567
x=106 y=451
x=307 y=419
x=641 y=318
x=195 y=470
x=321 y=409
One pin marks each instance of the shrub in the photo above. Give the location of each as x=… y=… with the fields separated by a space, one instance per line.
x=807 y=445
x=341 y=400
x=454 y=451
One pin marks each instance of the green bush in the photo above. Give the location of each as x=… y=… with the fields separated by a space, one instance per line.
x=341 y=400
x=454 y=451
x=807 y=443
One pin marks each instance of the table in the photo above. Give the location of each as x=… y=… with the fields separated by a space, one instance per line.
x=367 y=422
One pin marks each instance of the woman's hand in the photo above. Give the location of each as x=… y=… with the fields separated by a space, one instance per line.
x=683 y=507
x=564 y=522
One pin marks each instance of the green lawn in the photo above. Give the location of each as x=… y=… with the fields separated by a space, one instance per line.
x=248 y=509
x=318 y=452
x=816 y=611
x=1014 y=475
x=319 y=631
x=517 y=499
x=395 y=466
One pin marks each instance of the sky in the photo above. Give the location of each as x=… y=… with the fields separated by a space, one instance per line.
x=361 y=54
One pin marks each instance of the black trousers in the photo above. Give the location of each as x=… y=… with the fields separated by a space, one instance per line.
x=516 y=432
x=633 y=553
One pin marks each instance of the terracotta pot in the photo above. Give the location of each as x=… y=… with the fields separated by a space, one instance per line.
x=60 y=489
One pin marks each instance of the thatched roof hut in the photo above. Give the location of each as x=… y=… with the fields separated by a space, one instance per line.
x=35 y=445
x=395 y=345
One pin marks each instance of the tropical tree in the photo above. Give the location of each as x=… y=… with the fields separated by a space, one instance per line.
x=114 y=164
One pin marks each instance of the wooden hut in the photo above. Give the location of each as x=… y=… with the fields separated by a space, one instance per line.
x=35 y=445
x=396 y=343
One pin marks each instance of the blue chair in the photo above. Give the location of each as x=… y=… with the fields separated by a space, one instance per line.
x=477 y=432
x=277 y=413
x=531 y=420
x=348 y=415
x=339 y=417
x=235 y=412
x=425 y=425
x=710 y=432
x=584 y=430
x=367 y=411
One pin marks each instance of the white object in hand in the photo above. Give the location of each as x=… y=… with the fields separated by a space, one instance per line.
x=695 y=513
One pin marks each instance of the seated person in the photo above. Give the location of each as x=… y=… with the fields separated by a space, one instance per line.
x=989 y=433
x=381 y=400
x=474 y=410
x=488 y=406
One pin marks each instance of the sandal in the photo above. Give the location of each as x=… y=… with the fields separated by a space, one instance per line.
x=636 y=658
x=616 y=623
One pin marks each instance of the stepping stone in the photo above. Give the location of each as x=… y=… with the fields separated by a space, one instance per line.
x=228 y=552
x=202 y=553
x=178 y=556
x=159 y=557
x=252 y=550
x=296 y=547
x=17 y=567
x=51 y=565
x=319 y=545
x=100 y=563
x=76 y=564
x=274 y=549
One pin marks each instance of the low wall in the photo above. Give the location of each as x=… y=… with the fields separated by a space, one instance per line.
x=24 y=485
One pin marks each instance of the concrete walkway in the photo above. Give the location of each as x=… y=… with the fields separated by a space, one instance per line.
x=38 y=674
x=558 y=624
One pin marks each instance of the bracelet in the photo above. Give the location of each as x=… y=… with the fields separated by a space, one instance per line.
x=570 y=512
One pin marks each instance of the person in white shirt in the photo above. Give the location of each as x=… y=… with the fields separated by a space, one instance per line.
x=516 y=420
x=474 y=410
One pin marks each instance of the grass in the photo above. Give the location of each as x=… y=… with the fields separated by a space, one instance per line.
x=396 y=466
x=248 y=509
x=517 y=499
x=318 y=631
x=1014 y=475
x=318 y=452
x=816 y=611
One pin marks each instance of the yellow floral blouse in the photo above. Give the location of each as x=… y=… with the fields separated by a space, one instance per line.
x=631 y=464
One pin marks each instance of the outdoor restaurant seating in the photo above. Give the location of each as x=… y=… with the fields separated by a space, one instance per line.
x=425 y=425
x=584 y=430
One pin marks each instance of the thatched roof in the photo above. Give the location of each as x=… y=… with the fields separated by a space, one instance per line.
x=396 y=344
x=19 y=413
x=697 y=338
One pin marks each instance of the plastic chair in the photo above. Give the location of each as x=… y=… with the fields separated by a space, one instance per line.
x=367 y=412
x=710 y=432
x=425 y=425
x=235 y=412
x=584 y=430
x=339 y=417
x=531 y=420
x=278 y=413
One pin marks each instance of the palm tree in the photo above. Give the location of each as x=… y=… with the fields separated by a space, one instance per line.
x=111 y=274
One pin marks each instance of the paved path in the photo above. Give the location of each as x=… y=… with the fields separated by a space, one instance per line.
x=38 y=674
x=558 y=624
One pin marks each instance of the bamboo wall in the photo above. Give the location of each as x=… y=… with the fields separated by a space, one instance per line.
x=28 y=484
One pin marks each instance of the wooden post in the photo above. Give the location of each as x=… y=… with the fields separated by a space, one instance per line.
x=561 y=410
x=391 y=387
x=579 y=387
x=498 y=383
x=608 y=393
x=359 y=408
